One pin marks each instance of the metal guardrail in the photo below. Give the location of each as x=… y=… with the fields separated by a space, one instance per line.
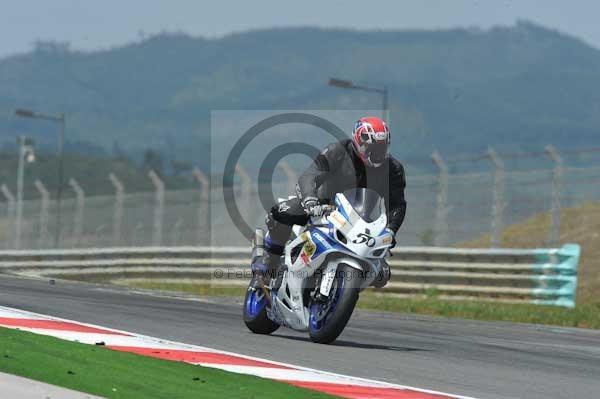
x=538 y=276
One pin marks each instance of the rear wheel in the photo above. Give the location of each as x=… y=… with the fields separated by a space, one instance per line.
x=255 y=310
x=328 y=318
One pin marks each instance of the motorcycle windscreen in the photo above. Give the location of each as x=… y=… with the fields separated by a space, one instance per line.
x=366 y=202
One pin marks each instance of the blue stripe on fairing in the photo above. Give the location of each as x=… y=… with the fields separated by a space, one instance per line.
x=320 y=247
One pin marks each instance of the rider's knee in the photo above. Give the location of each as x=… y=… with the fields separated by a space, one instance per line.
x=280 y=213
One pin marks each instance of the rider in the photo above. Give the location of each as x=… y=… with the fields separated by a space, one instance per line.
x=361 y=161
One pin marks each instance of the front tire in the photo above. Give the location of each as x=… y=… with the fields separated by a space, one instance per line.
x=255 y=311
x=328 y=320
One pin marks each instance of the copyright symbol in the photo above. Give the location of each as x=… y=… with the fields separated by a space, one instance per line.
x=218 y=273
x=268 y=165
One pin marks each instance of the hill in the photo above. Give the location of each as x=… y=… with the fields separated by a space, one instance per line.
x=458 y=91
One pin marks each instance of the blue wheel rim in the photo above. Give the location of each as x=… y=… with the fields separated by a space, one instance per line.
x=315 y=322
x=255 y=303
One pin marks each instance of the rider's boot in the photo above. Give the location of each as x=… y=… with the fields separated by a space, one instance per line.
x=275 y=240
x=268 y=249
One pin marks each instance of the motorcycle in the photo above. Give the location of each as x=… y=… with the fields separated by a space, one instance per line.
x=326 y=265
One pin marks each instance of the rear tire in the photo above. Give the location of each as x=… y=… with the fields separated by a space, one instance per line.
x=345 y=296
x=255 y=311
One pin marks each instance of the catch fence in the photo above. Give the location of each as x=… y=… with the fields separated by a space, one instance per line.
x=446 y=208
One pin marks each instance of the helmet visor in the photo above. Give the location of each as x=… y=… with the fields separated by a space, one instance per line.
x=377 y=152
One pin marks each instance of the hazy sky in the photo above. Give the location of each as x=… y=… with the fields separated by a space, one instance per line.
x=101 y=24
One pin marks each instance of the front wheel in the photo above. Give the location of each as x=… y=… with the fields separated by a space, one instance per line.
x=328 y=318
x=255 y=311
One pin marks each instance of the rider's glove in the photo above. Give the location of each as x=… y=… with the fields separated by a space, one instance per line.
x=311 y=206
x=393 y=236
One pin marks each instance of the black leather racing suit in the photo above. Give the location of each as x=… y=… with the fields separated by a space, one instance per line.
x=336 y=169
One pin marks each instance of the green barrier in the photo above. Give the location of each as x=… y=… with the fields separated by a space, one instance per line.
x=557 y=276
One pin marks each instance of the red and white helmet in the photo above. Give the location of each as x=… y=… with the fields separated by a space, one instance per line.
x=371 y=140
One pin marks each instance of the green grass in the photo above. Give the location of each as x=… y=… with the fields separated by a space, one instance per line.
x=100 y=371
x=585 y=315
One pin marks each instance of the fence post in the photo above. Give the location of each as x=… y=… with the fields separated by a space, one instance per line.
x=292 y=177
x=498 y=204
x=20 y=176
x=79 y=210
x=557 y=177
x=441 y=212
x=10 y=210
x=246 y=186
x=158 y=207
x=118 y=211
x=43 y=212
x=176 y=232
x=134 y=234
x=98 y=233
x=203 y=215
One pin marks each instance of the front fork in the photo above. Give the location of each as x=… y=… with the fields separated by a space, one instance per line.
x=327 y=277
x=369 y=273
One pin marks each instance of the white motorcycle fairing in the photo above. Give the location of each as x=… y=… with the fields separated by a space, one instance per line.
x=341 y=237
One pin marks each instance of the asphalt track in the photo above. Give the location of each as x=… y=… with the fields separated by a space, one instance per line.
x=479 y=359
